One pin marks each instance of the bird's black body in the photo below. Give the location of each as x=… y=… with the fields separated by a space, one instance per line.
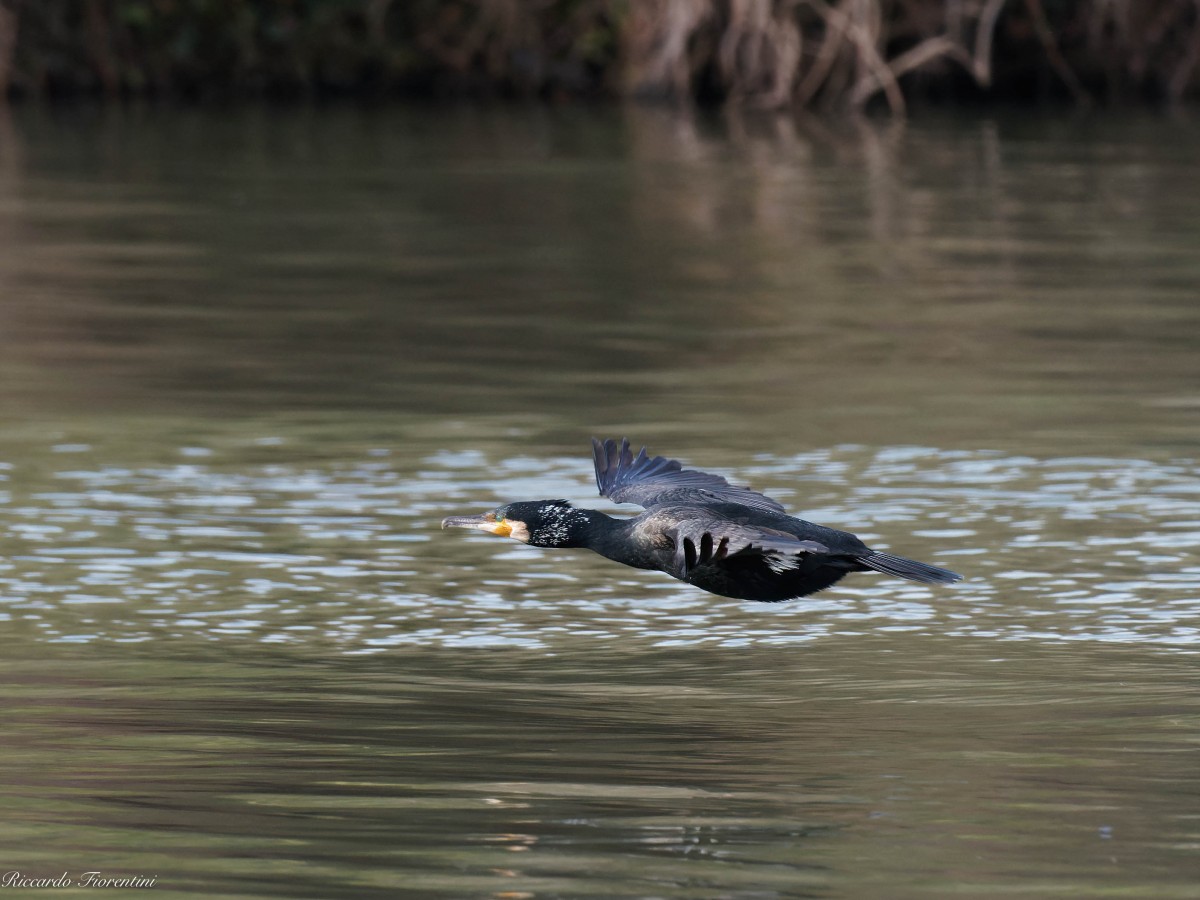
x=700 y=529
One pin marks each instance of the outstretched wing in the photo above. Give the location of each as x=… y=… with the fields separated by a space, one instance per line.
x=654 y=481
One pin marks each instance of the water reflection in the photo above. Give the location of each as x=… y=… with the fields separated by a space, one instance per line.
x=950 y=286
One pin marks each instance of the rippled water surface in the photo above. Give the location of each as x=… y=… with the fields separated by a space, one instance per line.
x=252 y=359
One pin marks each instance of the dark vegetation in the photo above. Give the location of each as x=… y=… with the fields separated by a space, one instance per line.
x=769 y=53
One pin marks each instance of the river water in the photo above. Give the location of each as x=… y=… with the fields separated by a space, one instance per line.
x=252 y=358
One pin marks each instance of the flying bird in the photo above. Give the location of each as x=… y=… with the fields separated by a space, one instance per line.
x=699 y=528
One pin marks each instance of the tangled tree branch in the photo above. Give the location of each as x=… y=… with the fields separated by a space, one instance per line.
x=773 y=53
x=1053 y=54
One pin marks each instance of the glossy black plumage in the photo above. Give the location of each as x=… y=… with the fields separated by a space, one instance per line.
x=699 y=528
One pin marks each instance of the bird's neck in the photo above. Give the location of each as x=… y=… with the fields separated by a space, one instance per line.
x=605 y=535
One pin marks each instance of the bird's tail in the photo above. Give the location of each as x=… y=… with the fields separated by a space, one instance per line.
x=908 y=568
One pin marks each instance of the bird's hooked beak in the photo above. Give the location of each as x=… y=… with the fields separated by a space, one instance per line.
x=487 y=522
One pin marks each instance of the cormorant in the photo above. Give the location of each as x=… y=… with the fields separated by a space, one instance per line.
x=700 y=529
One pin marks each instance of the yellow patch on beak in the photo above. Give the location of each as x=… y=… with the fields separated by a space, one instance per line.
x=501 y=528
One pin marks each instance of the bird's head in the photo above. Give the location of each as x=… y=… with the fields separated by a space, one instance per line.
x=539 y=523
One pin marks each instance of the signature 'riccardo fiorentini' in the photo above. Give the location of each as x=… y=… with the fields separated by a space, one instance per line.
x=92 y=879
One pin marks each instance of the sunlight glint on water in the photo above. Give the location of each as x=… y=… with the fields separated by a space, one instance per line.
x=349 y=554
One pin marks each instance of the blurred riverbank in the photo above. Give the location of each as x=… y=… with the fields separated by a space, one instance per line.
x=761 y=53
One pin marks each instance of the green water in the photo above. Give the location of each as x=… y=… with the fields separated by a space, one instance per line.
x=251 y=359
